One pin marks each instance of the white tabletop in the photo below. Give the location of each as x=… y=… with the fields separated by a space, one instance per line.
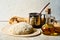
x=39 y=37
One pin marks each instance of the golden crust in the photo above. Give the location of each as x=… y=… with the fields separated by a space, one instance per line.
x=17 y=19
x=57 y=27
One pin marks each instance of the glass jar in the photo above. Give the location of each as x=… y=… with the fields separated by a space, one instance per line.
x=48 y=27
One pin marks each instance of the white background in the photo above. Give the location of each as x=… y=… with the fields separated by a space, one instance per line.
x=22 y=8
x=55 y=5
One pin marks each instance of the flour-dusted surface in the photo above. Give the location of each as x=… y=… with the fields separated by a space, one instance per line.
x=40 y=37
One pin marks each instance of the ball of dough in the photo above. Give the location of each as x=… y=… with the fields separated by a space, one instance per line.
x=21 y=28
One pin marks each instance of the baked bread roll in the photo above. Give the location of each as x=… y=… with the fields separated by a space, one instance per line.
x=17 y=19
x=57 y=27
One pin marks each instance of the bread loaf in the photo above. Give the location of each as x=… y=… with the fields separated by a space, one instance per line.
x=17 y=19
